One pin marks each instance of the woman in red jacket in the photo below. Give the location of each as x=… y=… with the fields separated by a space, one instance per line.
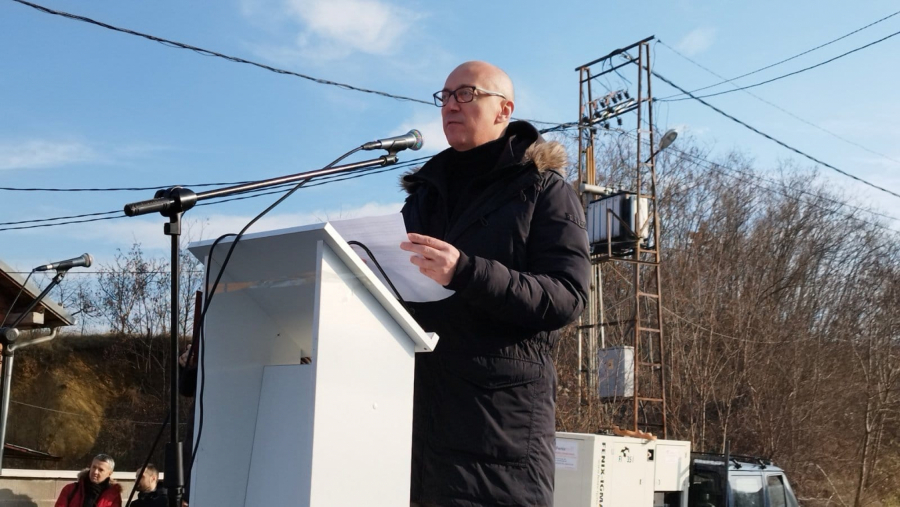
x=94 y=488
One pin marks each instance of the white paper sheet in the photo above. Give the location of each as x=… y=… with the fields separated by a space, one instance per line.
x=382 y=235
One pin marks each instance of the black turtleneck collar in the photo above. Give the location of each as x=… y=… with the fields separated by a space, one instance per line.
x=93 y=491
x=487 y=151
x=466 y=170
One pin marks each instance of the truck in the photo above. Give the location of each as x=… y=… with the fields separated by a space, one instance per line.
x=624 y=471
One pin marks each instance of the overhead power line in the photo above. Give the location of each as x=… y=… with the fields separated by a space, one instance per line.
x=782 y=76
x=250 y=195
x=767 y=136
x=776 y=106
x=119 y=189
x=207 y=52
x=725 y=80
x=87 y=416
x=144 y=189
x=751 y=178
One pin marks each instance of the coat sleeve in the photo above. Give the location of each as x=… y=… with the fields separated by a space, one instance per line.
x=553 y=290
x=63 y=499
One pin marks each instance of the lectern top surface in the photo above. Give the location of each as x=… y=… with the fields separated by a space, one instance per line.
x=290 y=256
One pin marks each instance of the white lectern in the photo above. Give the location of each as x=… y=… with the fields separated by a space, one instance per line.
x=336 y=431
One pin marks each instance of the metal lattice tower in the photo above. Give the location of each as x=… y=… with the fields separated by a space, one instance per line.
x=634 y=263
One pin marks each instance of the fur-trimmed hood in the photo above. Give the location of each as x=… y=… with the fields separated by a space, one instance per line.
x=525 y=146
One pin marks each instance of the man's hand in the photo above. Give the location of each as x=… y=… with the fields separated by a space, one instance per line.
x=436 y=259
x=183 y=358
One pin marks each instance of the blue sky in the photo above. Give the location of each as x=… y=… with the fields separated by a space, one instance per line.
x=83 y=106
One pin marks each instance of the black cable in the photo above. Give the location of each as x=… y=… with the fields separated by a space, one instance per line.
x=749 y=178
x=212 y=290
x=119 y=189
x=21 y=289
x=767 y=136
x=324 y=180
x=37 y=220
x=790 y=58
x=207 y=52
x=199 y=396
x=557 y=127
x=333 y=180
x=716 y=167
x=779 y=77
x=149 y=456
x=776 y=106
x=61 y=223
x=129 y=189
x=383 y=274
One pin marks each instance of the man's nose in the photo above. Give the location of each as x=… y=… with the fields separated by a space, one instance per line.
x=452 y=104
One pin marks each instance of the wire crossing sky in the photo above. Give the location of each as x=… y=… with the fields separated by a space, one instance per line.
x=95 y=117
x=820 y=46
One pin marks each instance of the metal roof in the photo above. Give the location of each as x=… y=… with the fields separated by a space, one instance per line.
x=18 y=452
x=10 y=284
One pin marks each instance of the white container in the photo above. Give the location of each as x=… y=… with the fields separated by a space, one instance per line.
x=614 y=471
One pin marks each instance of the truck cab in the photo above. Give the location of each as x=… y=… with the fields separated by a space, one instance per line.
x=746 y=481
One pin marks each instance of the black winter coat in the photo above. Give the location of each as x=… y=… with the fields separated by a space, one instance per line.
x=156 y=498
x=485 y=399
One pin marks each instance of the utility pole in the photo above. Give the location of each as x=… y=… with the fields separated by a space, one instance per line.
x=625 y=236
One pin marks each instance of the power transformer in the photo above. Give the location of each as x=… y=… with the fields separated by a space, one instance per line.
x=614 y=220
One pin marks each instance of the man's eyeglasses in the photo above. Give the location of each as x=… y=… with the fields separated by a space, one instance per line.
x=463 y=95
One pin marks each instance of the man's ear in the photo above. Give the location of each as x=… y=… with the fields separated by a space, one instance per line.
x=506 y=111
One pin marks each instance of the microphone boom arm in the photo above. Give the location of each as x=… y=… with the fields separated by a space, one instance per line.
x=179 y=199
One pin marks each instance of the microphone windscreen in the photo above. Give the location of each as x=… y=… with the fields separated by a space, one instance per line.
x=419 y=141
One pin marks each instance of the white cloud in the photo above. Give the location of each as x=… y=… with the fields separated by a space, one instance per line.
x=36 y=154
x=332 y=29
x=697 y=41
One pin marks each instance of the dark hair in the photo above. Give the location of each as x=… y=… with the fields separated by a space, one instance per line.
x=151 y=468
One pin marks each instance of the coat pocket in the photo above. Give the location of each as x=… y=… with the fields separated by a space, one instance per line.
x=484 y=407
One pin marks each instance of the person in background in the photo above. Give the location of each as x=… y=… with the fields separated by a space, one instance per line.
x=94 y=487
x=150 y=492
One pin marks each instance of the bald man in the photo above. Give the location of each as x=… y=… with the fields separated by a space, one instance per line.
x=492 y=219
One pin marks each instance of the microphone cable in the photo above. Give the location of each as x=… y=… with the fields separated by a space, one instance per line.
x=212 y=290
x=147 y=461
x=21 y=289
x=383 y=274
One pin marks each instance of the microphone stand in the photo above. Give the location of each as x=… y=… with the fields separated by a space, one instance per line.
x=172 y=203
x=8 y=338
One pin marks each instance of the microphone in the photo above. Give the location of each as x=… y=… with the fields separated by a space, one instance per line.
x=411 y=140
x=78 y=262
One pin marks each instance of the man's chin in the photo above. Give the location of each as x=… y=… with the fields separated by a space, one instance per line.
x=459 y=143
